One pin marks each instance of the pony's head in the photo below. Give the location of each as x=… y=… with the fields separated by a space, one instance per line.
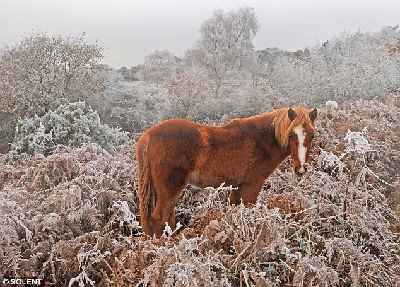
x=294 y=128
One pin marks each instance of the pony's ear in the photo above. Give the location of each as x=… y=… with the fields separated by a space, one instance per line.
x=313 y=115
x=291 y=114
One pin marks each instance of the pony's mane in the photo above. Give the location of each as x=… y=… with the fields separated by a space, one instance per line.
x=283 y=125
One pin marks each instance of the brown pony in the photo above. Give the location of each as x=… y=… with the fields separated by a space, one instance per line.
x=242 y=153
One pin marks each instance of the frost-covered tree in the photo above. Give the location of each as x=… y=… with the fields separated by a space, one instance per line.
x=187 y=93
x=41 y=72
x=127 y=74
x=159 y=66
x=225 y=44
x=348 y=67
x=215 y=77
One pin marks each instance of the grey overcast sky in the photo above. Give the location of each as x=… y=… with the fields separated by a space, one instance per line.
x=131 y=29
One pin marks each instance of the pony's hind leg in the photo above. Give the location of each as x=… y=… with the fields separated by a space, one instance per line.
x=163 y=213
x=169 y=188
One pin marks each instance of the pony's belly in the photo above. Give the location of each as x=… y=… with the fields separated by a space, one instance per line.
x=203 y=180
x=195 y=180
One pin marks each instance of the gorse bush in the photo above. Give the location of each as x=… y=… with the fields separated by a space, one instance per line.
x=73 y=125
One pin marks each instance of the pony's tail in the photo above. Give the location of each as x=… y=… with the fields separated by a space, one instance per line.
x=147 y=191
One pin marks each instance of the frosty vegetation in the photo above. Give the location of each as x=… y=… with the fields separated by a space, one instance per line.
x=71 y=218
x=73 y=124
x=42 y=72
x=342 y=69
x=68 y=192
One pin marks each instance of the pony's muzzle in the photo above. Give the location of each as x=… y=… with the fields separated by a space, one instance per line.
x=300 y=171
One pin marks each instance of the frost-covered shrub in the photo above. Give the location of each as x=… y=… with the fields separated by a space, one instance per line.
x=159 y=66
x=132 y=106
x=73 y=125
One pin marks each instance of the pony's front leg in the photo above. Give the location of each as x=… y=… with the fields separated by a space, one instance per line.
x=235 y=195
x=250 y=191
x=171 y=219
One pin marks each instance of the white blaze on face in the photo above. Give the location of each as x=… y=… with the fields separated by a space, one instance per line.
x=301 y=136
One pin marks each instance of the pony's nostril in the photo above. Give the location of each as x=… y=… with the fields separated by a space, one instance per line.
x=301 y=170
x=297 y=171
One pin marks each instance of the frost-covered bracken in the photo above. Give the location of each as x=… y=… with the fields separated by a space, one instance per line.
x=71 y=218
x=331 y=105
